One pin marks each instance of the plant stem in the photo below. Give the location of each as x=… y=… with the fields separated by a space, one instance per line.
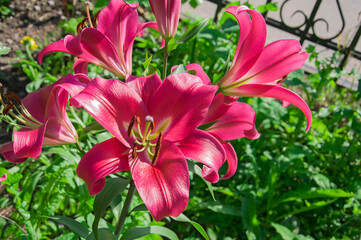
x=165 y=60
x=77 y=144
x=125 y=210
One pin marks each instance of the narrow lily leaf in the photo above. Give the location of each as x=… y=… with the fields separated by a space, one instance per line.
x=322 y=193
x=188 y=36
x=104 y=233
x=180 y=69
x=200 y=229
x=138 y=232
x=112 y=188
x=93 y=127
x=197 y=170
x=285 y=233
x=140 y=207
x=75 y=226
x=313 y=206
x=249 y=214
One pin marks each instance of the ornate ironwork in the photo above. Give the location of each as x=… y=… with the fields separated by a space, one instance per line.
x=302 y=30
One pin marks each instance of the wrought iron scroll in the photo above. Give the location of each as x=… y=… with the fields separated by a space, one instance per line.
x=308 y=24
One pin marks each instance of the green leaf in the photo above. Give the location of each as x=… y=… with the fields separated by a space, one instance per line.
x=99 y=4
x=285 y=233
x=249 y=214
x=219 y=208
x=149 y=68
x=138 y=232
x=189 y=35
x=268 y=7
x=207 y=125
x=200 y=229
x=4 y=50
x=94 y=126
x=310 y=207
x=180 y=69
x=195 y=3
x=104 y=234
x=112 y=188
x=75 y=226
x=198 y=171
x=140 y=207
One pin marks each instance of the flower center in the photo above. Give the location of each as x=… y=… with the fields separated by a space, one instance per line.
x=14 y=111
x=145 y=140
x=92 y=24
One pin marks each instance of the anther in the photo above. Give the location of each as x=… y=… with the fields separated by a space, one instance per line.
x=284 y=78
x=12 y=95
x=131 y=124
x=95 y=19
x=81 y=25
x=157 y=148
x=134 y=151
x=8 y=108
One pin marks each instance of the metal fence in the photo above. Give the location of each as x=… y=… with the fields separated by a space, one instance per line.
x=304 y=30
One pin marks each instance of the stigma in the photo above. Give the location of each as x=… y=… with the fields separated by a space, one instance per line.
x=145 y=140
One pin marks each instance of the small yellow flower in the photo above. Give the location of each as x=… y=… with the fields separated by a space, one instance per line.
x=30 y=41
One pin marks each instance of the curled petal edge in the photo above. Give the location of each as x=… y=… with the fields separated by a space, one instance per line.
x=272 y=91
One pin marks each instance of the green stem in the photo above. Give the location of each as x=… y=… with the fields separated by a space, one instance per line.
x=165 y=60
x=77 y=144
x=125 y=210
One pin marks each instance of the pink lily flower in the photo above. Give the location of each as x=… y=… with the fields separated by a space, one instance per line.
x=167 y=14
x=110 y=44
x=42 y=119
x=256 y=69
x=154 y=127
x=231 y=120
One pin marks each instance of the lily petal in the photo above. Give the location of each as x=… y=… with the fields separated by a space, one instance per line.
x=98 y=49
x=145 y=86
x=28 y=143
x=7 y=150
x=235 y=123
x=180 y=103
x=276 y=61
x=219 y=106
x=232 y=160
x=250 y=44
x=57 y=46
x=273 y=91
x=105 y=158
x=102 y=99
x=164 y=187
x=206 y=149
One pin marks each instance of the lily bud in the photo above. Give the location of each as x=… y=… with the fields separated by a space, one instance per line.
x=167 y=15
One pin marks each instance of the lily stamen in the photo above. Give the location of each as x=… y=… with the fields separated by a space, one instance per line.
x=284 y=78
x=157 y=148
x=134 y=151
x=95 y=19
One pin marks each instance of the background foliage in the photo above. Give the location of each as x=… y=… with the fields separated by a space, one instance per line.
x=289 y=185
